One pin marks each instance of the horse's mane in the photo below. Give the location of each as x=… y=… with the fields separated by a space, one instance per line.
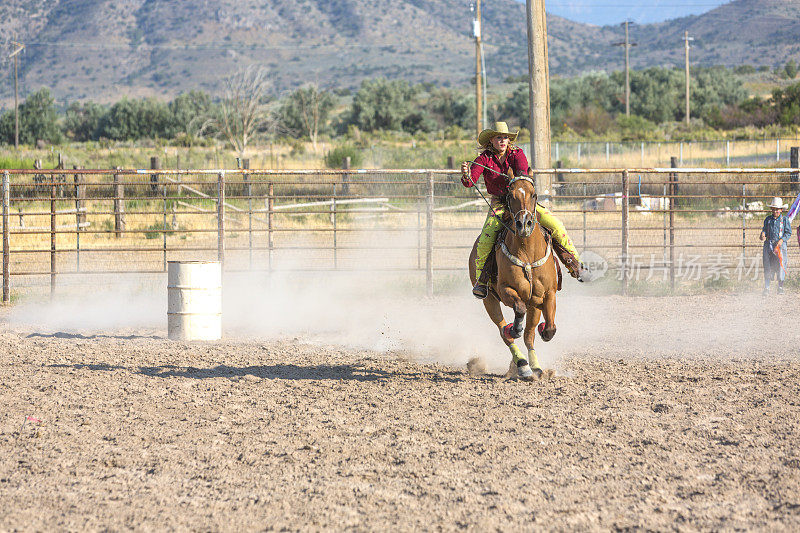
x=506 y=213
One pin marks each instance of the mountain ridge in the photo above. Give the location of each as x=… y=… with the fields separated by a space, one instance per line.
x=105 y=49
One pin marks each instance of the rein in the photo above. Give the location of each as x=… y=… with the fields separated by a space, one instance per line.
x=527 y=268
x=498 y=217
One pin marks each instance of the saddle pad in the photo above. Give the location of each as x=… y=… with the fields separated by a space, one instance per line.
x=489 y=272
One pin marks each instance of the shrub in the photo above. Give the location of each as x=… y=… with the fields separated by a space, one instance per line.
x=15 y=162
x=335 y=158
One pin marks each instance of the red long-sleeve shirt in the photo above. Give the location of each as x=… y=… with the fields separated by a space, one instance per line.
x=496 y=179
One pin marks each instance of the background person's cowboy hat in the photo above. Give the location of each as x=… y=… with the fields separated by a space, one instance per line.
x=500 y=128
x=777 y=203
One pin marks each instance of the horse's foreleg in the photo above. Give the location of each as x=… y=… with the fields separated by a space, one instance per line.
x=548 y=329
x=492 y=306
x=512 y=299
x=494 y=311
x=530 y=336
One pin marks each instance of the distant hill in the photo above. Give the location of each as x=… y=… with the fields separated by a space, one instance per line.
x=103 y=49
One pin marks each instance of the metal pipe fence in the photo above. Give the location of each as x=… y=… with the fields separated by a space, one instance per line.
x=667 y=225
x=716 y=153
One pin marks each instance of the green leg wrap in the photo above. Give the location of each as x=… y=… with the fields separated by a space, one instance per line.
x=557 y=229
x=486 y=241
x=532 y=359
x=516 y=353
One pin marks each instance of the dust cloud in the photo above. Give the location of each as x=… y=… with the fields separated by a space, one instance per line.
x=384 y=312
x=388 y=312
x=376 y=314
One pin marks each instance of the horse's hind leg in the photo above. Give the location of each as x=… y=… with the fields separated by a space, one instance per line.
x=548 y=330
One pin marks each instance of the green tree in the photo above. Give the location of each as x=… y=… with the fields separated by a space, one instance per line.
x=589 y=102
x=38 y=120
x=448 y=108
x=657 y=93
x=306 y=112
x=583 y=95
x=790 y=69
x=381 y=104
x=786 y=103
x=83 y=120
x=594 y=91
x=714 y=88
x=188 y=111
x=136 y=119
x=514 y=109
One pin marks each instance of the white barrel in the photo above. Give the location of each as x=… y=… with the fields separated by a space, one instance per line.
x=194 y=300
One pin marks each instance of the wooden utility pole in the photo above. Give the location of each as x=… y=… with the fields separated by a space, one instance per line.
x=627 y=44
x=686 y=40
x=476 y=32
x=14 y=54
x=539 y=93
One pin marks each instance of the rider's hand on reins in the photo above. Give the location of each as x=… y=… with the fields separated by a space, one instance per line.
x=465 y=174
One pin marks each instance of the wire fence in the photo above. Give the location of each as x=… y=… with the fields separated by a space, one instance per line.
x=703 y=153
x=670 y=225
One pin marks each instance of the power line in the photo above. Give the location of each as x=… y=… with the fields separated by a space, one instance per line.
x=254 y=46
x=640 y=4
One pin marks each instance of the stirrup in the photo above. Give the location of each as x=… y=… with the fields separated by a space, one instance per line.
x=480 y=290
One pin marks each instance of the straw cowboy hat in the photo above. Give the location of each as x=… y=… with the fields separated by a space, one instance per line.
x=777 y=203
x=500 y=128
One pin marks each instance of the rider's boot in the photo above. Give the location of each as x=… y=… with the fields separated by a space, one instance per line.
x=562 y=244
x=573 y=263
x=486 y=241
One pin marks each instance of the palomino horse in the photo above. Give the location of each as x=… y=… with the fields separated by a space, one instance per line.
x=527 y=279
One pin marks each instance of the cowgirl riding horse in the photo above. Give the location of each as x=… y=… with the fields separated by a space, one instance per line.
x=499 y=156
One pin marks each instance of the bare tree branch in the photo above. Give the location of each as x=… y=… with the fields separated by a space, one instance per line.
x=242 y=110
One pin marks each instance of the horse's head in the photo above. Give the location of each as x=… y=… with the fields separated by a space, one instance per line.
x=522 y=204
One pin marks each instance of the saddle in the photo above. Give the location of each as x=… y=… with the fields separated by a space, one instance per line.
x=489 y=272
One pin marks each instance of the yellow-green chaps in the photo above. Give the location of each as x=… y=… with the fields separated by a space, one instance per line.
x=492 y=226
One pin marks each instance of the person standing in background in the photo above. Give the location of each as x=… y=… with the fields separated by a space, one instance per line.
x=775 y=235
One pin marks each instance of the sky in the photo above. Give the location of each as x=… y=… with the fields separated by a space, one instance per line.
x=604 y=12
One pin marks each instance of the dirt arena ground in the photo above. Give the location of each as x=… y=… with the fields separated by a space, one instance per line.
x=678 y=413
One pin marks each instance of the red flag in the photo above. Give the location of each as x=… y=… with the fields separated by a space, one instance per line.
x=780 y=256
